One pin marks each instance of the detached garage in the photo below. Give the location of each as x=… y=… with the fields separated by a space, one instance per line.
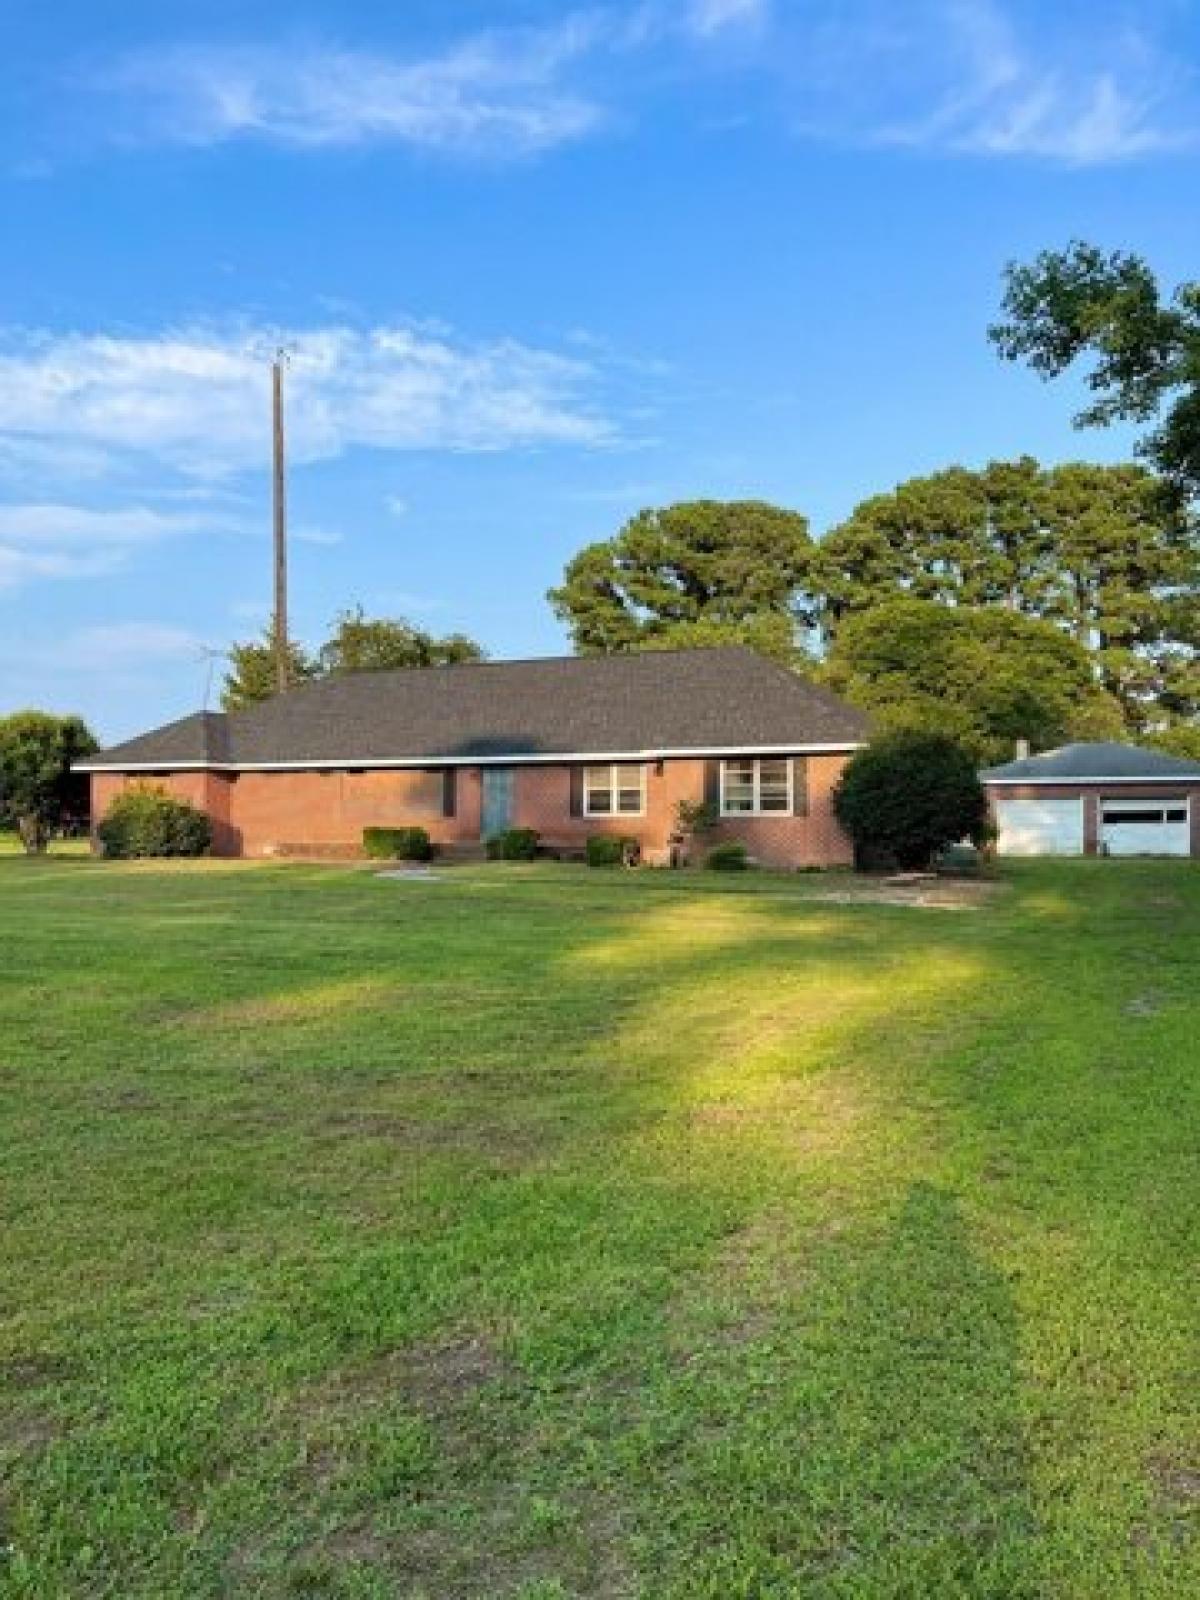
x=1096 y=799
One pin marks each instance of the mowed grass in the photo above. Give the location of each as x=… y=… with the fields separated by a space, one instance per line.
x=10 y=845
x=536 y=1233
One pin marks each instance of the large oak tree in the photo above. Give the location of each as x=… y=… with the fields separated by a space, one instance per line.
x=980 y=674
x=1068 y=305
x=702 y=572
x=1100 y=551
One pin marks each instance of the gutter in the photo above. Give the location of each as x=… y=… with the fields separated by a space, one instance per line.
x=1175 y=778
x=557 y=758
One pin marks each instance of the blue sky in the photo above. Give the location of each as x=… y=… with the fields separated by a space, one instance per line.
x=537 y=266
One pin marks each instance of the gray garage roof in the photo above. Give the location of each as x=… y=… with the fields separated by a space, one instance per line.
x=1092 y=763
x=646 y=704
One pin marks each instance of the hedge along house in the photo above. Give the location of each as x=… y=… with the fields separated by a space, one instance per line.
x=1096 y=799
x=571 y=747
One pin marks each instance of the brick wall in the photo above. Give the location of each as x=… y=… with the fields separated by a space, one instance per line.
x=542 y=801
x=261 y=813
x=208 y=791
x=1094 y=795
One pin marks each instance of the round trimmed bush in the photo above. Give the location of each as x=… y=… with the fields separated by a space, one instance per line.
x=611 y=850
x=907 y=797
x=731 y=856
x=514 y=844
x=397 y=844
x=147 y=821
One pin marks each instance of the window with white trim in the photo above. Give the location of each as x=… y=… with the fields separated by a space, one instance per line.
x=1154 y=812
x=756 y=786
x=616 y=789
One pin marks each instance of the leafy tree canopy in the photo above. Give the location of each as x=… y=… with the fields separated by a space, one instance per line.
x=771 y=635
x=358 y=644
x=1083 y=301
x=1180 y=739
x=251 y=676
x=703 y=572
x=365 y=644
x=907 y=796
x=36 y=752
x=1097 y=550
x=984 y=676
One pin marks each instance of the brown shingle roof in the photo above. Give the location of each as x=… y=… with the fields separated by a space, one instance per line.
x=199 y=740
x=725 y=699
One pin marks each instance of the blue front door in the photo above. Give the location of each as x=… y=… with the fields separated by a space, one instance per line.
x=497 y=800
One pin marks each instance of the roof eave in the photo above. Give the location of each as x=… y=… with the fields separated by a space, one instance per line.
x=1074 y=780
x=511 y=758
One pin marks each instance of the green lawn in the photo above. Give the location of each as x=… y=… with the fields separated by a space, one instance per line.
x=531 y=1233
x=10 y=845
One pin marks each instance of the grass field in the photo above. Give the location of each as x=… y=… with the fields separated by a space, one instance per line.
x=530 y=1233
x=10 y=845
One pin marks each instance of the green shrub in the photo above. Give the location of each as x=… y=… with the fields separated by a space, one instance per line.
x=514 y=844
x=397 y=844
x=147 y=821
x=732 y=856
x=908 y=796
x=610 y=849
x=694 y=817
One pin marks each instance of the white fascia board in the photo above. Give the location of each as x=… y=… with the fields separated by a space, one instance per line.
x=1074 y=783
x=558 y=758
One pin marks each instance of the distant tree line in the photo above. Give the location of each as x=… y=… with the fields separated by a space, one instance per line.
x=357 y=644
x=1016 y=599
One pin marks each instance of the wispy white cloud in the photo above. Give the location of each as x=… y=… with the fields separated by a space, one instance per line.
x=1082 y=81
x=1077 y=85
x=1083 y=100
x=71 y=526
x=46 y=541
x=497 y=94
x=25 y=566
x=710 y=17
x=121 y=646
x=196 y=400
x=396 y=505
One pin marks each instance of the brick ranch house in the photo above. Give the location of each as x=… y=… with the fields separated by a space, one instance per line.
x=571 y=747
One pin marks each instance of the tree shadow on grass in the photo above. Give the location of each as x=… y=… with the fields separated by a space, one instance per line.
x=860 y=1437
x=929 y=1416
x=859 y=1434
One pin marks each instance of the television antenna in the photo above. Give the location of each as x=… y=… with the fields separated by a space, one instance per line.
x=210 y=655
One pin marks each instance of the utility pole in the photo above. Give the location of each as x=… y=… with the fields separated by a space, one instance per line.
x=280 y=522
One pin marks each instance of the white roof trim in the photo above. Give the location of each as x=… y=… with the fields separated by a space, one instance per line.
x=558 y=758
x=1067 y=783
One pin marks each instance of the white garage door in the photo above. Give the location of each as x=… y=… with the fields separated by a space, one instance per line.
x=1039 y=827
x=1145 y=828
